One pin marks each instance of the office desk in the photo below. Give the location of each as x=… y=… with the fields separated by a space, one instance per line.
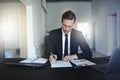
x=10 y=72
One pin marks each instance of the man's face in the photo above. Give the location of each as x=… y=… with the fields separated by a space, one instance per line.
x=67 y=25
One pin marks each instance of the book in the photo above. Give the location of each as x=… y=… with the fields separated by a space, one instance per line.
x=34 y=60
x=82 y=62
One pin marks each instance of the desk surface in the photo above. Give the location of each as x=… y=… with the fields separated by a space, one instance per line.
x=47 y=73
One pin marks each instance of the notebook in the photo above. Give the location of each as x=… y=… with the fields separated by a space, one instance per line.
x=61 y=64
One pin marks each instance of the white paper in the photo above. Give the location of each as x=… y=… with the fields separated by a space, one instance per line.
x=60 y=63
x=82 y=62
x=28 y=60
x=40 y=60
x=34 y=60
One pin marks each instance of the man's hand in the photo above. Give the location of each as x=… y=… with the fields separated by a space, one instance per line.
x=69 y=58
x=52 y=58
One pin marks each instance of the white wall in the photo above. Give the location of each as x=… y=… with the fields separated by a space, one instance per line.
x=38 y=27
x=35 y=28
x=101 y=9
x=81 y=9
x=55 y=10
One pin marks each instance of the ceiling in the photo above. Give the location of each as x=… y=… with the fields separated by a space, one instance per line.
x=65 y=0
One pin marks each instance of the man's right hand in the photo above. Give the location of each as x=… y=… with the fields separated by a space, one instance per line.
x=52 y=58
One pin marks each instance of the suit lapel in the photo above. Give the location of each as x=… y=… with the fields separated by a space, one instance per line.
x=60 y=41
x=71 y=41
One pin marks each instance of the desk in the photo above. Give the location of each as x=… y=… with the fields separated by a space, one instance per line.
x=9 y=72
x=113 y=76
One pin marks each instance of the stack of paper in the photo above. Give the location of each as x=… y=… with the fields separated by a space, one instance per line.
x=34 y=60
x=60 y=63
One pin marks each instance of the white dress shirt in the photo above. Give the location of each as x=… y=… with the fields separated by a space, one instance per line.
x=63 y=42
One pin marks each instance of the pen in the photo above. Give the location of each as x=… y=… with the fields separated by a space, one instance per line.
x=52 y=55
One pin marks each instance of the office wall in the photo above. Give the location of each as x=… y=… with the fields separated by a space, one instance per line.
x=101 y=9
x=38 y=27
x=55 y=10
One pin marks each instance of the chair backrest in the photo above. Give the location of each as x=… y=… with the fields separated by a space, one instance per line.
x=114 y=63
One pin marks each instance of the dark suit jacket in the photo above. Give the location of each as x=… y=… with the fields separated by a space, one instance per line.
x=55 y=44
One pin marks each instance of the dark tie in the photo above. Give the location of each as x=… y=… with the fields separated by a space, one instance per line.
x=66 y=45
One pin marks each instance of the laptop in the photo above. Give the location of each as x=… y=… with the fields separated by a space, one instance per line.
x=16 y=62
x=102 y=67
x=111 y=64
x=25 y=64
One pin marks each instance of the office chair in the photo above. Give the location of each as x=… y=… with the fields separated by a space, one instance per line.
x=114 y=63
x=113 y=68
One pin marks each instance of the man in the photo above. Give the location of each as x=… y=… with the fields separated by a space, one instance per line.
x=67 y=43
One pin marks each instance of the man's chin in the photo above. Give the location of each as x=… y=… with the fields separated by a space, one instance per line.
x=66 y=32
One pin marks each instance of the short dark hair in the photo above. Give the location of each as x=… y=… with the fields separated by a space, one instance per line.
x=69 y=15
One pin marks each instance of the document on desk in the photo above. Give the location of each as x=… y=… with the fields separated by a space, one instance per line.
x=82 y=62
x=34 y=60
x=60 y=64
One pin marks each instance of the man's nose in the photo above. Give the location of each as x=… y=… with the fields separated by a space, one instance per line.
x=66 y=28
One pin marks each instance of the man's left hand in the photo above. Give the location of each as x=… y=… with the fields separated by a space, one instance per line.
x=69 y=58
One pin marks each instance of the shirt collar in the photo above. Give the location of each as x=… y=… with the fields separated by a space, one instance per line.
x=67 y=33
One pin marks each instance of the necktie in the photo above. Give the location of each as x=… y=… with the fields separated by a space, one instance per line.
x=66 y=45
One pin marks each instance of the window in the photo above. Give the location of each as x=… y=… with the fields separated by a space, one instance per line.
x=8 y=31
x=85 y=29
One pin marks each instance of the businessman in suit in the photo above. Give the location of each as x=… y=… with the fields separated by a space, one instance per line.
x=67 y=43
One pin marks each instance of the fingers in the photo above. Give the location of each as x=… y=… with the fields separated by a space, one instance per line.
x=66 y=58
x=52 y=58
x=69 y=58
